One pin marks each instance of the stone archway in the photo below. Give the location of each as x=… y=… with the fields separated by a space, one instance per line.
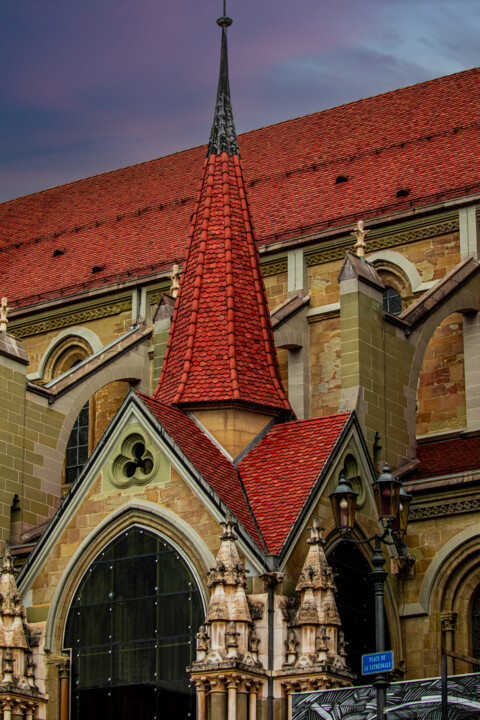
x=464 y=301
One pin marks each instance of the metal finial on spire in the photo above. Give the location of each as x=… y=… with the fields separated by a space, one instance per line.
x=224 y=21
x=223 y=137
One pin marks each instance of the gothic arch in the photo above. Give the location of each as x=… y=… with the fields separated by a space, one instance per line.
x=391 y=608
x=132 y=367
x=464 y=301
x=449 y=588
x=138 y=513
x=76 y=335
x=398 y=263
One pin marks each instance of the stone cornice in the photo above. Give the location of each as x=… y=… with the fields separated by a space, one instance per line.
x=58 y=319
x=385 y=238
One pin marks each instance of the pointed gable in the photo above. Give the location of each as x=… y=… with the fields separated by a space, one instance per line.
x=215 y=468
x=282 y=470
x=221 y=347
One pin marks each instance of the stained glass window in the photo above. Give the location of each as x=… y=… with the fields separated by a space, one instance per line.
x=131 y=629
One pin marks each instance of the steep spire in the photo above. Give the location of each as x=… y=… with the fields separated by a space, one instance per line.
x=221 y=347
x=223 y=137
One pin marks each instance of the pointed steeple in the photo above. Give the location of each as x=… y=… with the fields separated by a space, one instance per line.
x=221 y=348
x=223 y=137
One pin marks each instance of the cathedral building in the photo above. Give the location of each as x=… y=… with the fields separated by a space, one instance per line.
x=193 y=352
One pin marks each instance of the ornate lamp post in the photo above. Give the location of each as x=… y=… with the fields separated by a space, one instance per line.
x=392 y=503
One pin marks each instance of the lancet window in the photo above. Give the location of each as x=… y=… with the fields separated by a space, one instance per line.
x=131 y=632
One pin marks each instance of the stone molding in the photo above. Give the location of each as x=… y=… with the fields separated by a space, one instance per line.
x=75 y=318
x=454 y=507
x=275 y=268
x=330 y=254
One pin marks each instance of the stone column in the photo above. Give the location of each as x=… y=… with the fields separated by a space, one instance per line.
x=252 y=702
x=201 y=701
x=218 y=699
x=64 y=676
x=242 y=699
x=449 y=624
x=232 y=698
x=7 y=710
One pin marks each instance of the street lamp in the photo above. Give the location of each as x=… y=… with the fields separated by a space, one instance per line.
x=392 y=503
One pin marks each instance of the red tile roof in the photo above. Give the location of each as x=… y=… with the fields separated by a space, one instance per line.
x=220 y=346
x=215 y=468
x=447 y=457
x=134 y=221
x=281 y=471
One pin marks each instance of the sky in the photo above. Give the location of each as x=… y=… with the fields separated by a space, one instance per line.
x=95 y=85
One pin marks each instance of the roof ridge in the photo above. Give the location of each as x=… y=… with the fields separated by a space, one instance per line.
x=362 y=99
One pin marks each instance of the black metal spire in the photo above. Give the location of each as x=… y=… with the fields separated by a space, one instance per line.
x=223 y=137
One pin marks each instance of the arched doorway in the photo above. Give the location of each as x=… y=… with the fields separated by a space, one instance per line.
x=355 y=602
x=131 y=631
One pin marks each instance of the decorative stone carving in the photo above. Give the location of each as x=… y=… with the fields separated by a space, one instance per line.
x=256 y=609
x=315 y=644
x=3 y=315
x=227 y=644
x=134 y=466
x=175 y=278
x=359 y=233
x=449 y=621
x=228 y=624
x=17 y=686
x=289 y=608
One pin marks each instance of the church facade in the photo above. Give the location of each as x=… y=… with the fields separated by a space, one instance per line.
x=186 y=374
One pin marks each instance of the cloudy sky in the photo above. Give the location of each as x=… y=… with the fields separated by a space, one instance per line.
x=94 y=85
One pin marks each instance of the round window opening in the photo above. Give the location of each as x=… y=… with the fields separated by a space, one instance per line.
x=135 y=464
x=141 y=462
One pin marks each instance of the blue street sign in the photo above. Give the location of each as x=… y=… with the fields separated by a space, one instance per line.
x=377 y=662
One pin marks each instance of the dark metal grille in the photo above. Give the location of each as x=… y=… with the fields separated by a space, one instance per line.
x=131 y=629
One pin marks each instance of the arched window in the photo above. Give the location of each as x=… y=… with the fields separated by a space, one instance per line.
x=77 y=445
x=131 y=630
x=66 y=355
x=392 y=301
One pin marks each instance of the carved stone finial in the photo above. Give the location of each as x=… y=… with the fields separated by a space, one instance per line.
x=316 y=533
x=3 y=315
x=291 y=644
x=175 y=278
x=7 y=562
x=359 y=233
x=229 y=526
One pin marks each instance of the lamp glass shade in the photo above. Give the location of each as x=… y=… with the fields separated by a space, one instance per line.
x=344 y=503
x=387 y=493
x=400 y=523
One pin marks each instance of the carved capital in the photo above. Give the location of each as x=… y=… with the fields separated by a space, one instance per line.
x=449 y=621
